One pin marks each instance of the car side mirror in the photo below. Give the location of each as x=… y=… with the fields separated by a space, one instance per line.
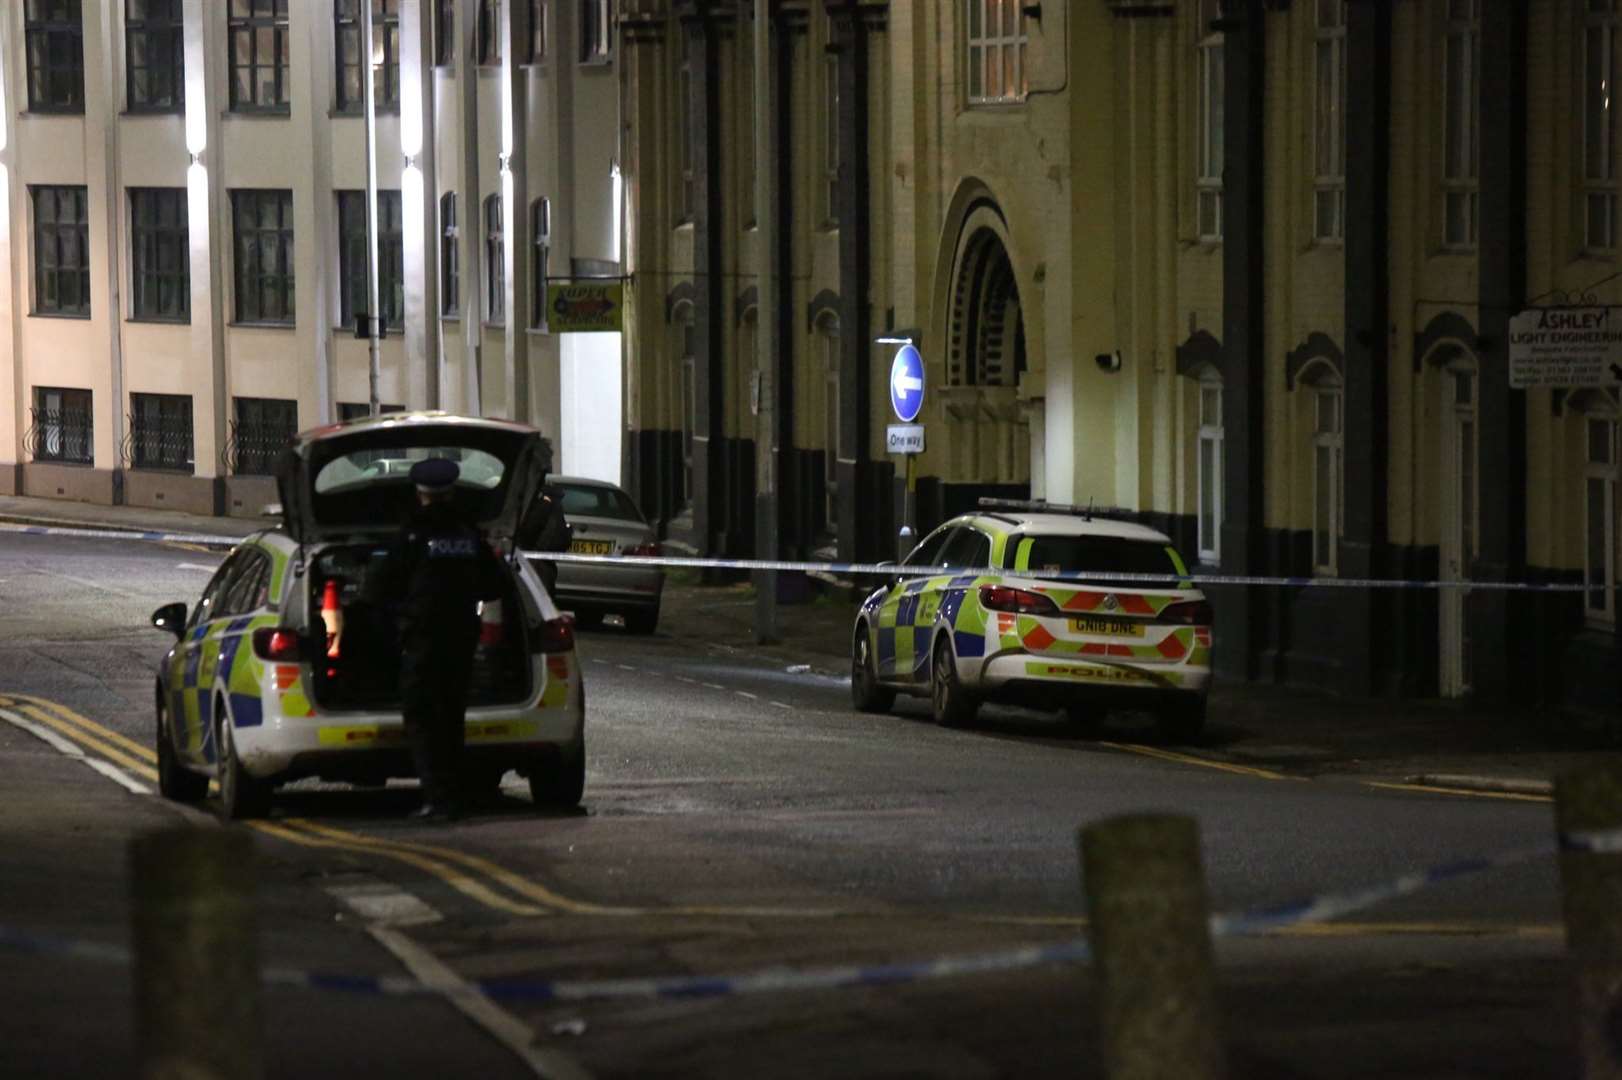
x=890 y=580
x=171 y=617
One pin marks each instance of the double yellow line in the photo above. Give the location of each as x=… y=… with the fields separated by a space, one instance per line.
x=122 y=750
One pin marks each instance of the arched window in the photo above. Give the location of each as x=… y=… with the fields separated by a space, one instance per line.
x=1208 y=44
x=495 y=262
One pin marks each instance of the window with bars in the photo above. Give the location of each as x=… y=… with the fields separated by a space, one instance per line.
x=830 y=132
x=495 y=262
x=1328 y=498
x=1600 y=509
x=258 y=56
x=160 y=255
x=263 y=271
x=686 y=196
x=450 y=259
x=540 y=213
x=161 y=432
x=1599 y=126
x=596 y=31
x=996 y=57
x=444 y=33
x=53 y=35
x=154 y=56
x=1461 y=62
x=1208 y=139
x=61 y=250
x=1209 y=469
x=1329 y=126
x=62 y=426
x=352 y=258
x=260 y=432
x=385 y=63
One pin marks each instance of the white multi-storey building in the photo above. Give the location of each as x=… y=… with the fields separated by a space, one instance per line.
x=182 y=204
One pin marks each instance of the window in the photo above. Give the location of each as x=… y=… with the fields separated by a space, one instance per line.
x=1329 y=183
x=540 y=213
x=450 y=261
x=685 y=108
x=160 y=252
x=1209 y=152
x=261 y=431
x=352 y=257
x=996 y=52
x=61 y=251
x=596 y=31
x=259 y=50
x=828 y=344
x=687 y=343
x=830 y=134
x=155 y=56
x=1328 y=500
x=444 y=32
x=385 y=55
x=360 y=410
x=1460 y=65
x=746 y=141
x=1209 y=470
x=1600 y=475
x=54 y=33
x=537 y=31
x=161 y=431
x=62 y=426
x=1599 y=126
x=495 y=262
x=489 y=33
x=264 y=256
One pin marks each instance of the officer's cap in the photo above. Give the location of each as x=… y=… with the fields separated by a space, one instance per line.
x=435 y=475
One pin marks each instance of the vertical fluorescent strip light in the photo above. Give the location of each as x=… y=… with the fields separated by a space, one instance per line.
x=617 y=202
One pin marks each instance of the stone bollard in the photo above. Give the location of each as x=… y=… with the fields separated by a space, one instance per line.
x=1590 y=800
x=196 y=955
x=1149 y=926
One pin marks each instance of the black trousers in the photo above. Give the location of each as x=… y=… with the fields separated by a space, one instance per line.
x=435 y=671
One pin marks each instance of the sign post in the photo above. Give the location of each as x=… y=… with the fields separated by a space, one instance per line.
x=907 y=438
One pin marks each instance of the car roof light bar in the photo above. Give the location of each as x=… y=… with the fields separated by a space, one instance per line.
x=1042 y=506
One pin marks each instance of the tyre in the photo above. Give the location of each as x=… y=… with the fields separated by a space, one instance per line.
x=558 y=780
x=175 y=781
x=641 y=620
x=865 y=692
x=242 y=795
x=1182 y=721
x=951 y=704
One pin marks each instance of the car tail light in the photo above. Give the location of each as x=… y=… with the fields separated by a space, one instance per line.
x=1003 y=598
x=279 y=644
x=650 y=550
x=553 y=635
x=490 y=628
x=332 y=616
x=1189 y=613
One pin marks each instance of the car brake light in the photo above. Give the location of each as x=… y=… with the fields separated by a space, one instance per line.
x=553 y=635
x=280 y=644
x=1003 y=598
x=648 y=550
x=1189 y=613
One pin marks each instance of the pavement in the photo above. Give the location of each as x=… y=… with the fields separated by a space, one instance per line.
x=1466 y=746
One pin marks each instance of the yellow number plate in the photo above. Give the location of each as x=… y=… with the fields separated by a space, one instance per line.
x=1096 y=624
x=592 y=547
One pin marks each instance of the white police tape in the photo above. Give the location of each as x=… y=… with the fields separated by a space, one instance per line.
x=1259 y=920
x=873 y=569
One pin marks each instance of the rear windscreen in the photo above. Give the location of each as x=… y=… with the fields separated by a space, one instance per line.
x=602 y=502
x=1036 y=555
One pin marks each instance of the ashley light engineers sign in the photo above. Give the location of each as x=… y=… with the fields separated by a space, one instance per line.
x=584 y=307
x=1566 y=347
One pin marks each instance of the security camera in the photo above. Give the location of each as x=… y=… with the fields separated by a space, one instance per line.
x=1108 y=361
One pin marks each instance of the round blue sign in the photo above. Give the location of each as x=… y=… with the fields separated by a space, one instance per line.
x=907 y=384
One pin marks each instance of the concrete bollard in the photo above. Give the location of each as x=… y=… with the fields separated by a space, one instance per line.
x=1149 y=926
x=196 y=955
x=1590 y=799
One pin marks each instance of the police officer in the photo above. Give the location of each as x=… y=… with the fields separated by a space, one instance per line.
x=543 y=527
x=443 y=567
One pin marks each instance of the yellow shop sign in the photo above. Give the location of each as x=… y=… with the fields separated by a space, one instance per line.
x=583 y=306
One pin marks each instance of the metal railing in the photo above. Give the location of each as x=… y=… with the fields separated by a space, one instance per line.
x=162 y=442
x=252 y=447
x=60 y=435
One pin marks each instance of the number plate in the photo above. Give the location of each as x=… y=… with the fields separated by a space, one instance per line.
x=592 y=547
x=1096 y=624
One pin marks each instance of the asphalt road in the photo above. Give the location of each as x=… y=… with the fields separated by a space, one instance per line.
x=740 y=816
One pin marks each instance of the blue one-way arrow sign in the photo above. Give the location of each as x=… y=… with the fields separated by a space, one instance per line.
x=907 y=384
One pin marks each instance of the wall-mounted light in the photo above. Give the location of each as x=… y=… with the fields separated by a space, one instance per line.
x=617 y=184
x=197 y=158
x=893 y=341
x=504 y=161
x=408 y=161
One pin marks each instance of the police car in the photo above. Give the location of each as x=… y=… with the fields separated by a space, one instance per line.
x=286 y=668
x=993 y=627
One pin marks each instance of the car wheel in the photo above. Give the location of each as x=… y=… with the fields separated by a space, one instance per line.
x=242 y=795
x=1181 y=722
x=642 y=620
x=952 y=705
x=175 y=781
x=558 y=780
x=865 y=692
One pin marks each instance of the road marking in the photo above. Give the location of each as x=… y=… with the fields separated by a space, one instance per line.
x=72 y=750
x=60 y=710
x=107 y=749
x=1419 y=929
x=1511 y=796
x=185 y=546
x=196 y=566
x=116 y=775
x=685 y=679
x=1190 y=759
x=625 y=667
x=98 y=586
x=781 y=705
x=713 y=686
x=747 y=694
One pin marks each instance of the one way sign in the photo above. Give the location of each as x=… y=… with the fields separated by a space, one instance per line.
x=907 y=384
